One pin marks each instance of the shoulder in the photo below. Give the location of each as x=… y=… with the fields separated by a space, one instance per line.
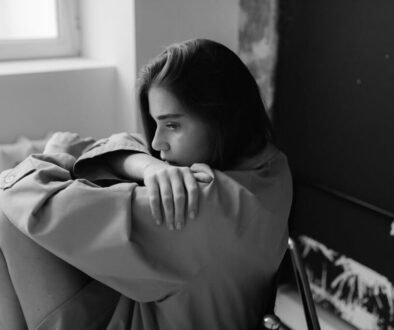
x=264 y=179
x=261 y=159
x=264 y=169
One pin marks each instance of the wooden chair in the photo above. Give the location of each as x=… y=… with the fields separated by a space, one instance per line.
x=271 y=321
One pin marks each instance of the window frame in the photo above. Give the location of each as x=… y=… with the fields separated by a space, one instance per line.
x=67 y=43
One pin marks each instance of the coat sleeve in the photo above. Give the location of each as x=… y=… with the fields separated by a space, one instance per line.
x=92 y=164
x=107 y=233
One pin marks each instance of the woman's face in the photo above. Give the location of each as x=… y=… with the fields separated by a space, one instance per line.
x=181 y=138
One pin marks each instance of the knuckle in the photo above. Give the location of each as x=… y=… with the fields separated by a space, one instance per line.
x=167 y=199
x=162 y=172
x=179 y=190
x=152 y=177
x=192 y=189
x=185 y=169
x=172 y=170
x=149 y=178
x=180 y=197
x=153 y=199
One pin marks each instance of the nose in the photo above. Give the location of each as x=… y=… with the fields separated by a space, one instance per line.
x=158 y=142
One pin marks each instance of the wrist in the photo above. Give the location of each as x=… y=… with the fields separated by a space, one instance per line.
x=145 y=167
x=132 y=165
x=153 y=164
x=53 y=150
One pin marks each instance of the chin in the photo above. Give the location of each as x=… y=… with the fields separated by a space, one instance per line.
x=173 y=163
x=178 y=163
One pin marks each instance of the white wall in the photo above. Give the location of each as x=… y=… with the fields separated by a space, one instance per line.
x=33 y=104
x=163 y=22
x=108 y=35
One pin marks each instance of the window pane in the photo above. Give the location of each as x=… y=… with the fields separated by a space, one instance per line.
x=28 y=19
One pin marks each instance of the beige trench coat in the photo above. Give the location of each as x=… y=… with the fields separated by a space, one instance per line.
x=214 y=274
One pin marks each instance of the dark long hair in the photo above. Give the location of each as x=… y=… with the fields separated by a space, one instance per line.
x=214 y=84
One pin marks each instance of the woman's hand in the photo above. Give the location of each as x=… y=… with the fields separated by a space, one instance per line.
x=173 y=192
x=66 y=142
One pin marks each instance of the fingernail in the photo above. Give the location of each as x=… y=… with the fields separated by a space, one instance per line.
x=171 y=227
x=158 y=222
x=192 y=215
x=178 y=226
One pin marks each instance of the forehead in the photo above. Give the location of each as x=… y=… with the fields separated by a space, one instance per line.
x=162 y=102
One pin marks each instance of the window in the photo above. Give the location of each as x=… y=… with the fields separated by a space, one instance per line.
x=38 y=29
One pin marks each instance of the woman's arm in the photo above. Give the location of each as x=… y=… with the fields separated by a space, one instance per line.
x=105 y=232
x=108 y=234
x=173 y=191
x=131 y=165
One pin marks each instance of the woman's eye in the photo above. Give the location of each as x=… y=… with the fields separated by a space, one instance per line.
x=172 y=125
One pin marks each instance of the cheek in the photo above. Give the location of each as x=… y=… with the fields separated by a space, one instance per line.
x=177 y=143
x=202 y=145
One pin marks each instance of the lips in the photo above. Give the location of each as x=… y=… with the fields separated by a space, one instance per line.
x=165 y=160
x=170 y=162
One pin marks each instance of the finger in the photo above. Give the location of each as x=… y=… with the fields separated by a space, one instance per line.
x=83 y=143
x=167 y=200
x=154 y=200
x=71 y=136
x=178 y=190
x=192 y=193
x=202 y=177
x=86 y=142
x=201 y=167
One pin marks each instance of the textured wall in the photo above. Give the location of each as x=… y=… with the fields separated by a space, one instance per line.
x=257 y=42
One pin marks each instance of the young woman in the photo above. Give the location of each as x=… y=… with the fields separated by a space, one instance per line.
x=81 y=235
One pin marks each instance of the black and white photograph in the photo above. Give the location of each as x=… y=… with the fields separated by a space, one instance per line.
x=196 y=165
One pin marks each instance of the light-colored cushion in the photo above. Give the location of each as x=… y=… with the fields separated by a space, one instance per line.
x=13 y=153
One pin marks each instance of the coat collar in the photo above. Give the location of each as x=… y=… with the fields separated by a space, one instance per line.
x=257 y=161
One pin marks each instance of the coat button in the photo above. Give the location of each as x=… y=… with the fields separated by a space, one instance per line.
x=9 y=178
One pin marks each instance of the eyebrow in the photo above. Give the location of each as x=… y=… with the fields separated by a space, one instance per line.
x=169 y=116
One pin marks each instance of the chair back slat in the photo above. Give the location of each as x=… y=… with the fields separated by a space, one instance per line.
x=303 y=286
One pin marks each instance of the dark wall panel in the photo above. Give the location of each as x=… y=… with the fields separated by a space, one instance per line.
x=334 y=118
x=334 y=100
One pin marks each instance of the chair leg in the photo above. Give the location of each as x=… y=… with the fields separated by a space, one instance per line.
x=303 y=287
